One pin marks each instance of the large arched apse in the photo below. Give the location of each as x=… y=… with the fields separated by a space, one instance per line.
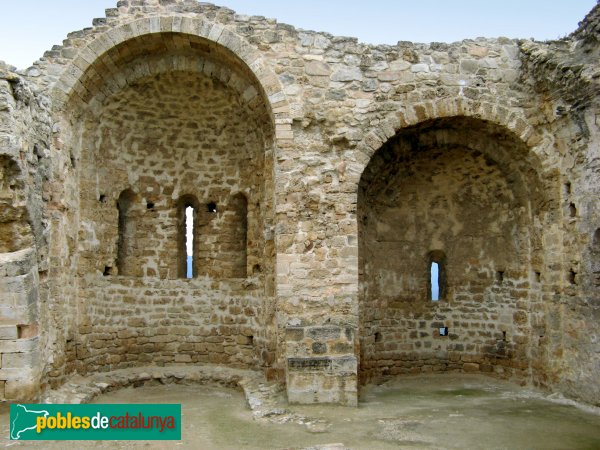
x=449 y=251
x=183 y=128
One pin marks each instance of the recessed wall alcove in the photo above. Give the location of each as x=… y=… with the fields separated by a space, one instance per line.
x=461 y=193
x=169 y=121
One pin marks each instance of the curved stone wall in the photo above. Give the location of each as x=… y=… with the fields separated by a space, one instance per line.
x=457 y=192
x=174 y=121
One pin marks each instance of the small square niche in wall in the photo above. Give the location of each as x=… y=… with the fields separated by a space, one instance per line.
x=443 y=331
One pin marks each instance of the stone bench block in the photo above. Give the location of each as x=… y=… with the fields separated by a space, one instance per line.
x=17 y=263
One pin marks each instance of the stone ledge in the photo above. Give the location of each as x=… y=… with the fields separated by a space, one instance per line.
x=18 y=263
x=266 y=400
x=80 y=389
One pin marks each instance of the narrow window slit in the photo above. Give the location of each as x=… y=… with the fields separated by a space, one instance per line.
x=435 y=281
x=189 y=217
x=189 y=241
x=436 y=276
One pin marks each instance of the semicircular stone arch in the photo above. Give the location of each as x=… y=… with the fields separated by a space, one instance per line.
x=466 y=181
x=69 y=84
x=173 y=106
x=511 y=119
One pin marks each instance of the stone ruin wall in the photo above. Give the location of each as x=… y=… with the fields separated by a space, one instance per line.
x=338 y=147
x=24 y=265
x=173 y=135
x=567 y=73
x=437 y=194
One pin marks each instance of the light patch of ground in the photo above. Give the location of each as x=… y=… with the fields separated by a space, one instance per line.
x=423 y=412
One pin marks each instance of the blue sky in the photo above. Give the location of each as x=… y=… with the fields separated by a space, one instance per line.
x=29 y=27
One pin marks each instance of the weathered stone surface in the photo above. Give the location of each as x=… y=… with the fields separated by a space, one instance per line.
x=323 y=333
x=318 y=68
x=309 y=364
x=8 y=332
x=22 y=345
x=347 y=74
x=294 y=334
x=325 y=176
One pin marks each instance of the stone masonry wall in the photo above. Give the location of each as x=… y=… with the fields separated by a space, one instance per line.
x=179 y=134
x=24 y=142
x=564 y=77
x=320 y=110
x=439 y=193
x=163 y=145
x=137 y=321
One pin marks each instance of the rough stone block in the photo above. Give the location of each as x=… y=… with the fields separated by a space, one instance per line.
x=294 y=334
x=324 y=333
x=20 y=360
x=319 y=348
x=317 y=68
x=471 y=367
x=347 y=74
x=344 y=365
x=8 y=332
x=309 y=364
x=21 y=389
x=310 y=388
x=12 y=373
x=17 y=263
x=18 y=345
